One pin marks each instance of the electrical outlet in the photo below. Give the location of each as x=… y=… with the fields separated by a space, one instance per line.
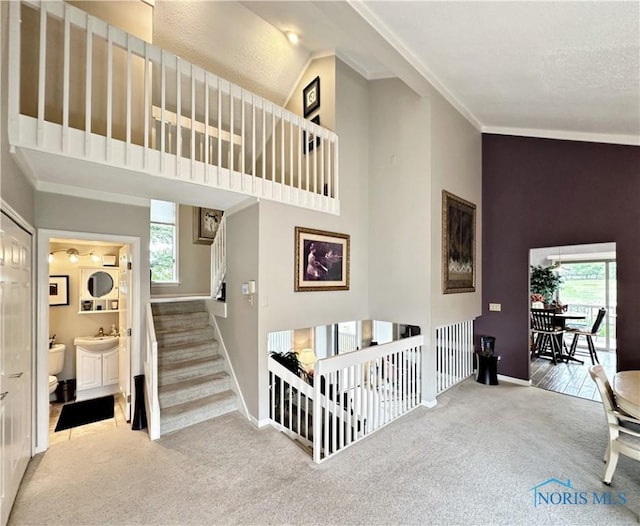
x=495 y=307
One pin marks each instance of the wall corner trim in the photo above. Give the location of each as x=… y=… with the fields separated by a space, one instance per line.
x=512 y=380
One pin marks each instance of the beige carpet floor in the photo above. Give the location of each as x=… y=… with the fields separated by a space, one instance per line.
x=471 y=460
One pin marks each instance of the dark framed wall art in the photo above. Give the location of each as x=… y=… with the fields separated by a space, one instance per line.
x=205 y=224
x=58 y=291
x=311 y=97
x=458 y=244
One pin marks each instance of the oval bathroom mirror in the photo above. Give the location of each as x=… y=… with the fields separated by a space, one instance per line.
x=100 y=284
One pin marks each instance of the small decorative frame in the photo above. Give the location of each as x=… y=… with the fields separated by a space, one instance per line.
x=311 y=97
x=322 y=260
x=458 y=244
x=58 y=291
x=205 y=224
x=311 y=140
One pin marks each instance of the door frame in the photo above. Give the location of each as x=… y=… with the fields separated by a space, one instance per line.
x=41 y=436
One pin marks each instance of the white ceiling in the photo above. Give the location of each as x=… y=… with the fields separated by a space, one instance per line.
x=550 y=69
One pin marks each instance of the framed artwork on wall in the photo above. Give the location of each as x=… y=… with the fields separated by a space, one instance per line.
x=458 y=244
x=311 y=97
x=58 y=291
x=322 y=260
x=205 y=224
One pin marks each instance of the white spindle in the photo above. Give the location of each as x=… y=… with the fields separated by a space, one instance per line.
x=128 y=119
x=207 y=166
x=65 y=81
x=178 y=117
x=163 y=104
x=219 y=118
x=242 y=142
x=231 y=133
x=42 y=74
x=253 y=144
x=108 y=143
x=147 y=104
x=193 y=123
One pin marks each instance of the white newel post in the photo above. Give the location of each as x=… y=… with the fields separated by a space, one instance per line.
x=429 y=372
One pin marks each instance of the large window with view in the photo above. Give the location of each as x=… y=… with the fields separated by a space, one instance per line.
x=164 y=242
x=586 y=287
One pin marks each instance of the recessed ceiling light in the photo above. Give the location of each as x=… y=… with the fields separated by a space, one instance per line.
x=292 y=37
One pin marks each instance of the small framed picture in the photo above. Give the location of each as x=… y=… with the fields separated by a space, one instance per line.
x=58 y=290
x=311 y=140
x=205 y=224
x=311 y=97
x=322 y=260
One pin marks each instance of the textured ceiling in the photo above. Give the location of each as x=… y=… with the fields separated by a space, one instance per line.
x=554 y=69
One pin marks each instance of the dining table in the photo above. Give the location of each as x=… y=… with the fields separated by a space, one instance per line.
x=626 y=389
x=560 y=319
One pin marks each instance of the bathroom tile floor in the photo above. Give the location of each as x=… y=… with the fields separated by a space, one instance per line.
x=89 y=429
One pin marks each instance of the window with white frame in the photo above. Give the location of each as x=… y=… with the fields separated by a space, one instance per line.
x=163 y=242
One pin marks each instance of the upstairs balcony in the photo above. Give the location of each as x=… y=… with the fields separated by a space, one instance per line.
x=92 y=106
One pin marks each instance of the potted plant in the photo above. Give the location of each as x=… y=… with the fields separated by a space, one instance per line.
x=545 y=282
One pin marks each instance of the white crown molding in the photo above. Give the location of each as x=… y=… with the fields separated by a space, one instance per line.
x=608 y=138
x=86 y=193
x=363 y=10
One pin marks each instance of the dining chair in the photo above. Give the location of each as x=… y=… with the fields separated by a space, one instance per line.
x=547 y=335
x=588 y=334
x=624 y=431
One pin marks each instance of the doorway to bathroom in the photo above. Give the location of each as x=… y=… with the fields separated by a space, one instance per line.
x=88 y=338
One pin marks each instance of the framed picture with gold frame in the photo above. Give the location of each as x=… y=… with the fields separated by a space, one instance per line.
x=322 y=260
x=458 y=244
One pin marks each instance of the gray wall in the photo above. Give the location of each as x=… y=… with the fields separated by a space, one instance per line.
x=60 y=212
x=15 y=189
x=194 y=261
x=240 y=328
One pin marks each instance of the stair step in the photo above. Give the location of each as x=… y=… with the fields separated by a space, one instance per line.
x=179 y=337
x=192 y=389
x=179 y=371
x=169 y=322
x=177 y=307
x=196 y=411
x=187 y=351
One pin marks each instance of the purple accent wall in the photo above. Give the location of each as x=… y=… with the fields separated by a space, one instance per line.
x=544 y=193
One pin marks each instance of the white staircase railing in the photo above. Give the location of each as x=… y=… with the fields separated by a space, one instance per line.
x=353 y=395
x=454 y=354
x=219 y=257
x=152 y=404
x=87 y=90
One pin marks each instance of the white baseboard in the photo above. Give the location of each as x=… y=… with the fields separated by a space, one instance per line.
x=512 y=380
x=429 y=403
x=259 y=423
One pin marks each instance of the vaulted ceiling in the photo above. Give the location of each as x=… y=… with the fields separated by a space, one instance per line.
x=550 y=69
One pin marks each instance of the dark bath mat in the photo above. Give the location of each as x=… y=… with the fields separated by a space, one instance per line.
x=85 y=412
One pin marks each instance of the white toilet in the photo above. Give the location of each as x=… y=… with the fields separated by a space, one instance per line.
x=56 y=363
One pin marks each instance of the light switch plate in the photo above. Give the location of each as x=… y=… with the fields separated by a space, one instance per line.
x=495 y=307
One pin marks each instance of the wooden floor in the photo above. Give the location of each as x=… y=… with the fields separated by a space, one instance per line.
x=571 y=378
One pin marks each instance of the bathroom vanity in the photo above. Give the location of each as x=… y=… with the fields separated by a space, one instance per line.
x=97 y=366
x=99 y=290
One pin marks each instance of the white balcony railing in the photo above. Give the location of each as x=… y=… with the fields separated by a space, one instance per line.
x=86 y=90
x=454 y=354
x=353 y=395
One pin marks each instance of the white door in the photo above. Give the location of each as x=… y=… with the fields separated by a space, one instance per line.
x=15 y=359
x=124 y=321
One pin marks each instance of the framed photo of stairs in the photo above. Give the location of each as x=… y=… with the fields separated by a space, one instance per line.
x=205 y=224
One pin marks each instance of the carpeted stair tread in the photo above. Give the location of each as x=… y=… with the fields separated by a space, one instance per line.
x=200 y=387
x=169 y=322
x=177 y=337
x=196 y=411
x=186 y=351
x=177 y=307
x=178 y=371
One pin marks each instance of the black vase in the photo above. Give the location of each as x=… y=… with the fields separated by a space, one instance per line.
x=139 y=420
